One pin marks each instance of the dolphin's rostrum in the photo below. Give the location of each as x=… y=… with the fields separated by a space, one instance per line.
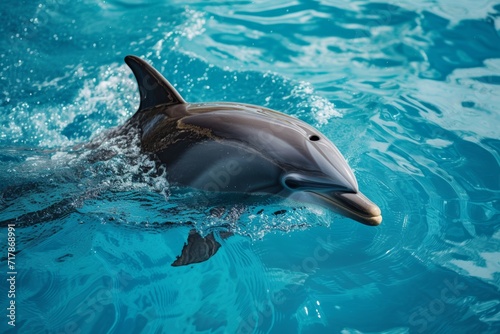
x=245 y=149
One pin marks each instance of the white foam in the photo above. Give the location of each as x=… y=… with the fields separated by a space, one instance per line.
x=111 y=93
x=322 y=109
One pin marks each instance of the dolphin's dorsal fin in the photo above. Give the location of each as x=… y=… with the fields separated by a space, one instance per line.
x=153 y=87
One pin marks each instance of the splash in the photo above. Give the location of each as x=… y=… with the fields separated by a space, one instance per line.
x=102 y=101
x=322 y=109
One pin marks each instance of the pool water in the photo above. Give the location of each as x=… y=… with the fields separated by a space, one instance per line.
x=409 y=92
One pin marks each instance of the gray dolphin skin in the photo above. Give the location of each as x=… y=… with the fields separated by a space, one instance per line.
x=242 y=148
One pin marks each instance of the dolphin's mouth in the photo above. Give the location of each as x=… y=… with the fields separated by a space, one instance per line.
x=353 y=205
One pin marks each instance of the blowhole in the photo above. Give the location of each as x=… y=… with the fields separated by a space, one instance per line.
x=313 y=138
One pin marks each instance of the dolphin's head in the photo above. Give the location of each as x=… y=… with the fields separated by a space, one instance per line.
x=319 y=173
x=312 y=168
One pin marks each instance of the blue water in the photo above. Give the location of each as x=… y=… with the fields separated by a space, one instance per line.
x=408 y=91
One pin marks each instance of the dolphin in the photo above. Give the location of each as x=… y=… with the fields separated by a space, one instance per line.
x=236 y=148
x=230 y=151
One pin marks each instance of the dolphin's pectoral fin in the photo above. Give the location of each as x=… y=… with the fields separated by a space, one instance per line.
x=199 y=249
x=154 y=88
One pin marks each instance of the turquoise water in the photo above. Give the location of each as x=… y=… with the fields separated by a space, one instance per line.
x=409 y=92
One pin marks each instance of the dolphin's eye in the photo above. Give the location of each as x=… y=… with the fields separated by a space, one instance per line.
x=313 y=138
x=292 y=184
